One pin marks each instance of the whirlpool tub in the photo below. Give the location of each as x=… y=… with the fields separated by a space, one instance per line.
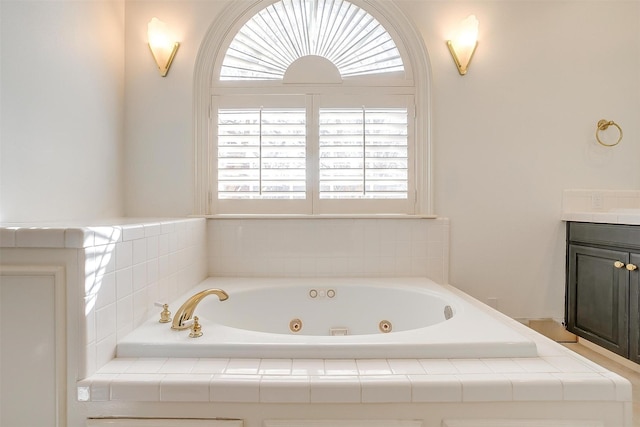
x=333 y=318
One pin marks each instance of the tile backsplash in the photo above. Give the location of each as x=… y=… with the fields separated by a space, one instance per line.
x=576 y=201
x=329 y=247
x=129 y=270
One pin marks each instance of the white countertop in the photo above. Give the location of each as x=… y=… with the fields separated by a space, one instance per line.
x=613 y=216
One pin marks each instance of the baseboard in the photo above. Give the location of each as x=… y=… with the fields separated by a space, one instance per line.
x=610 y=355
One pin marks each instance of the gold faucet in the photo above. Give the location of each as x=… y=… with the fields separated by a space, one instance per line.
x=185 y=312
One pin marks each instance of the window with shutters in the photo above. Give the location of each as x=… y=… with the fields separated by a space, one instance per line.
x=312 y=111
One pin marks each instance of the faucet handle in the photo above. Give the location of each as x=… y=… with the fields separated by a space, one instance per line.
x=196 y=329
x=165 y=315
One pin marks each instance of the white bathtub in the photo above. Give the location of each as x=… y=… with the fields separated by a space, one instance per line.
x=335 y=318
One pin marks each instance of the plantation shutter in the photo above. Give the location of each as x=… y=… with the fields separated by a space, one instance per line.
x=363 y=153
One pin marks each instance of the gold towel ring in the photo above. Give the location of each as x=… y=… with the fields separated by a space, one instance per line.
x=604 y=125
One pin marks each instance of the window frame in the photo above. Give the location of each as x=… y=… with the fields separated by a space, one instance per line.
x=416 y=82
x=313 y=204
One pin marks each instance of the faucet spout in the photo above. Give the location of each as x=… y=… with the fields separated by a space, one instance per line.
x=185 y=312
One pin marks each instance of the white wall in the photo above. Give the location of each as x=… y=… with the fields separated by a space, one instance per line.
x=159 y=151
x=508 y=137
x=519 y=128
x=62 y=84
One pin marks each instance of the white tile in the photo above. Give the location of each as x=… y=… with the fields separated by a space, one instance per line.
x=284 y=389
x=275 y=367
x=235 y=388
x=139 y=276
x=340 y=367
x=335 y=389
x=622 y=386
x=136 y=388
x=163 y=244
x=83 y=391
x=438 y=366
x=471 y=366
x=152 y=229
x=536 y=387
x=78 y=238
x=152 y=271
x=105 y=322
x=406 y=367
x=503 y=366
x=153 y=247
x=117 y=366
x=173 y=242
x=179 y=365
x=567 y=364
x=592 y=387
x=106 y=235
x=243 y=366
x=168 y=226
x=212 y=366
x=147 y=365
x=132 y=232
x=140 y=304
x=535 y=364
x=105 y=287
x=435 y=388
x=124 y=255
x=124 y=282
x=385 y=389
x=124 y=312
x=373 y=367
x=185 y=388
x=100 y=389
x=485 y=388
x=40 y=237
x=307 y=367
x=139 y=251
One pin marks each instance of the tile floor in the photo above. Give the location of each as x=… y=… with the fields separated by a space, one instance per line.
x=619 y=369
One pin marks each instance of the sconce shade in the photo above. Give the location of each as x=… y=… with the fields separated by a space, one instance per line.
x=463 y=45
x=163 y=48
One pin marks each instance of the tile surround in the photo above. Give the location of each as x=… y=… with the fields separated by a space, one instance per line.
x=127 y=266
x=329 y=247
x=130 y=265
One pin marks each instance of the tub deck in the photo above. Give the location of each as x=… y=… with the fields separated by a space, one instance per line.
x=557 y=387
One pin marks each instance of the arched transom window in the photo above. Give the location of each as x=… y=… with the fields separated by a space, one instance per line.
x=312 y=111
x=277 y=38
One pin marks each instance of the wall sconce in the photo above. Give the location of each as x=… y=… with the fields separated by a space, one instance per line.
x=163 y=48
x=463 y=46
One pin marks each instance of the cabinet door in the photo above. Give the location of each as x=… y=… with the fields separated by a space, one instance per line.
x=634 y=309
x=597 y=299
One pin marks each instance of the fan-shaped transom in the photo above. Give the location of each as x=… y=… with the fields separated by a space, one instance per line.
x=285 y=31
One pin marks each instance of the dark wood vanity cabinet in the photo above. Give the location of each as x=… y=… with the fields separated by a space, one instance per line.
x=602 y=289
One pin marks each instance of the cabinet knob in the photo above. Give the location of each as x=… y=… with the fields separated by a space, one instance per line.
x=618 y=264
x=632 y=267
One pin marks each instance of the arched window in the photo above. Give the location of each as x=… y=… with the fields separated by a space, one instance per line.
x=312 y=107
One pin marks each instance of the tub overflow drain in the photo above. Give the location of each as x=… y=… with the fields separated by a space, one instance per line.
x=295 y=325
x=448 y=312
x=385 y=326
